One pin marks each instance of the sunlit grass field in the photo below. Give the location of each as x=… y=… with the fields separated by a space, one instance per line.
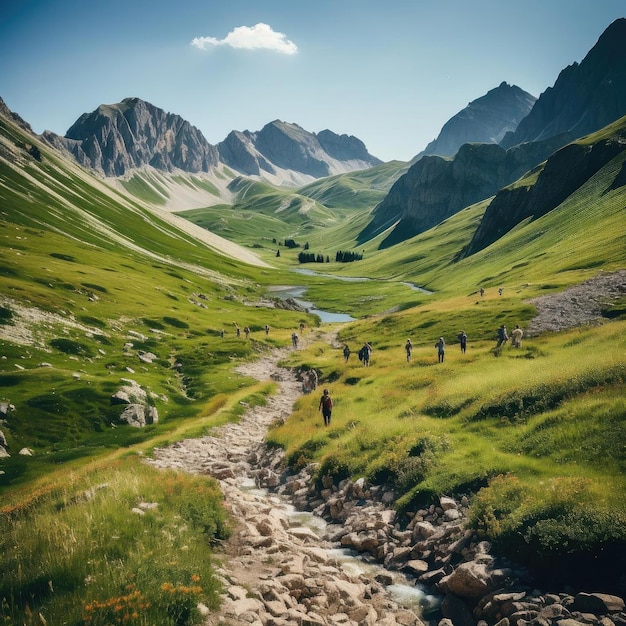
x=549 y=416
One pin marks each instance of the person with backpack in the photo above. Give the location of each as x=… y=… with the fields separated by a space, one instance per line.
x=346 y=353
x=441 y=349
x=408 y=348
x=503 y=336
x=463 y=341
x=326 y=407
x=366 y=352
x=516 y=337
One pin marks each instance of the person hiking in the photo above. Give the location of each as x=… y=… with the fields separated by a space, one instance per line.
x=441 y=349
x=294 y=339
x=503 y=336
x=313 y=379
x=408 y=348
x=246 y=330
x=463 y=341
x=516 y=336
x=326 y=407
x=346 y=353
x=267 y=329
x=366 y=352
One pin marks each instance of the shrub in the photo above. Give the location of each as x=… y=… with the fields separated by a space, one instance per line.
x=6 y=315
x=69 y=346
x=558 y=528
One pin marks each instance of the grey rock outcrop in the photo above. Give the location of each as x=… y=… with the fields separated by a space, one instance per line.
x=585 y=96
x=132 y=134
x=435 y=188
x=562 y=174
x=484 y=120
x=136 y=411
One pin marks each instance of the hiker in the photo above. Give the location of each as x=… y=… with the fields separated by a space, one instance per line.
x=346 y=353
x=482 y=292
x=301 y=327
x=313 y=379
x=503 y=336
x=441 y=349
x=238 y=331
x=408 y=348
x=463 y=341
x=516 y=336
x=246 y=330
x=267 y=329
x=365 y=354
x=294 y=339
x=500 y=291
x=326 y=407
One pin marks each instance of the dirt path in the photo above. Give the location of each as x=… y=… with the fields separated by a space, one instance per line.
x=275 y=571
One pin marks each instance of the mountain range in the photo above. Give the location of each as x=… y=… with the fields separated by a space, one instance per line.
x=481 y=150
x=585 y=98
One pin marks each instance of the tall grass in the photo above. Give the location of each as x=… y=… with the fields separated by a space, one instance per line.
x=116 y=545
x=551 y=412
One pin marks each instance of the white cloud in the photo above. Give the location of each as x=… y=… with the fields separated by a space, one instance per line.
x=260 y=36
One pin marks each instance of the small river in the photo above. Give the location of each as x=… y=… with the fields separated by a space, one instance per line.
x=297 y=292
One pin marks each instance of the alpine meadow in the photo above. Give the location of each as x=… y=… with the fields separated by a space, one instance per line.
x=140 y=291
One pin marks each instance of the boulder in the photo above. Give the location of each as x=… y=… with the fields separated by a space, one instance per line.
x=469 y=580
x=597 y=603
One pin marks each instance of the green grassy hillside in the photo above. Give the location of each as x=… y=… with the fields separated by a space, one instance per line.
x=534 y=435
x=92 y=280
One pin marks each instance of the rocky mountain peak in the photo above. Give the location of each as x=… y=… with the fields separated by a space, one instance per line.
x=284 y=150
x=484 y=120
x=132 y=134
x=585 y=96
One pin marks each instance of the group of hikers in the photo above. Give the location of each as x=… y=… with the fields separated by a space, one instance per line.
x=246 y=331
x=366 y=351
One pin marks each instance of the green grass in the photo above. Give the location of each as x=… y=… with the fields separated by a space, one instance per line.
x=552 y=412
x=117 y=544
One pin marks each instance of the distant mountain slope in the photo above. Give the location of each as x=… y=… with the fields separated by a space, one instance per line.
x=484 y=120
x=585 y=96
x=579 y=103
x=551 y=183
x=117 y=140
x=434 y=188
x=282 y=152
x=43 y=189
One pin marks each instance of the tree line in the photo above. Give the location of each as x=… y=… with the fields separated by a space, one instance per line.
x=340 y=257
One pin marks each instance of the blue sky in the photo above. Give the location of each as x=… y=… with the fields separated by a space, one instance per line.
x=391 y=73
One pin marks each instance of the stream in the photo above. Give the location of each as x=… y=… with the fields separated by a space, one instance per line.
x=297 y=293
x=278 y=566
